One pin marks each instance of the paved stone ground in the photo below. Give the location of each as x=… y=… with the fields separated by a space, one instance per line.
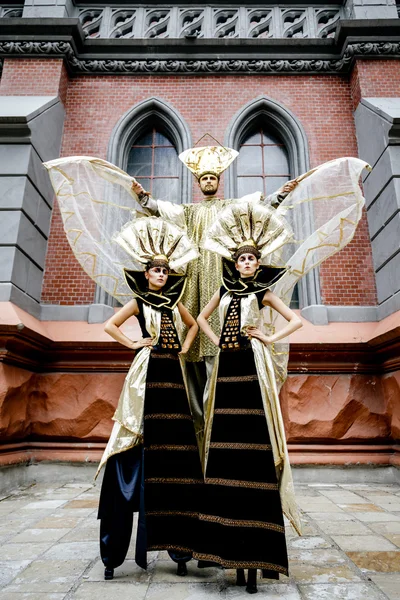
x=350 y=550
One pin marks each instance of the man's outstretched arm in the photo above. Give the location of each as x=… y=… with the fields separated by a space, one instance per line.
x=276 y=198
x=145 y=200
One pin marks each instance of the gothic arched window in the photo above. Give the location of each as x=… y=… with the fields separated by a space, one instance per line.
x=262 y=164
x=153 y=161
x=273 y=148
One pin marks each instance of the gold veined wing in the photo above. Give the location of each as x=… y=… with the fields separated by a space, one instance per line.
x=323 y=211
x=96 y=201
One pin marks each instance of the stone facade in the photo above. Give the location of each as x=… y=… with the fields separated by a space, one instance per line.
x=75 y=78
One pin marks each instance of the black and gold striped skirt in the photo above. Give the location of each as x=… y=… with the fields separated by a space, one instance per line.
x=241 y=521
x=173 y=476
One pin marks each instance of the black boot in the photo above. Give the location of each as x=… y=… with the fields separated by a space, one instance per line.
x=108 y=573
x=240 y=578
x=182 y=568
x=251 y=587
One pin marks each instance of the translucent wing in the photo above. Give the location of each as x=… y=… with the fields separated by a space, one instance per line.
x=323 y=211
x=96 y=201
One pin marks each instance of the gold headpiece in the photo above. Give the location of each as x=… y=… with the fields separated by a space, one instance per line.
x=151 y=239
x=247 y=226
x=208 y=159
x=247 y=243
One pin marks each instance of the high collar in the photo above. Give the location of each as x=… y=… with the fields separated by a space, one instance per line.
x=167 y=297
x=261 y=281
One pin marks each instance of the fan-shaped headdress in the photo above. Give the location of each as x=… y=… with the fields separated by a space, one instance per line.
x=248 y=227
x=208 y=159
x=153 y=242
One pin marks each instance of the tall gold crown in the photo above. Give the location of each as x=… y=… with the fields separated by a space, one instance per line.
x=208 y=159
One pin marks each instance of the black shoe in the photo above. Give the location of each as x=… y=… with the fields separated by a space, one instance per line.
x=251 y=587
x=181 y=569
x=108 y=573
x=240 y=578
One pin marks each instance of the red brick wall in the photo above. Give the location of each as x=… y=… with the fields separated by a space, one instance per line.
x=34 y=77
x=375 y=78
x=323 y=104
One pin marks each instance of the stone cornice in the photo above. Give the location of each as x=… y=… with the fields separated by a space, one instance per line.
x=64 y=38
x=24 y=348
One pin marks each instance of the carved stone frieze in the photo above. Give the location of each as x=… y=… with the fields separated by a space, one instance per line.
x=7 y=12
x=188 y=66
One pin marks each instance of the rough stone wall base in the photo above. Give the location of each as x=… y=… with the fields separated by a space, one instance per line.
x=14 y=476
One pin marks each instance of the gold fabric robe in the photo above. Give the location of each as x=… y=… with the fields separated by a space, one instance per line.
x=127 y=431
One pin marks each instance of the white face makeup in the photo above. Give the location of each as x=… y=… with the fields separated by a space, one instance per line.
x=247 y=264
x=209 y=184
x=157 y=277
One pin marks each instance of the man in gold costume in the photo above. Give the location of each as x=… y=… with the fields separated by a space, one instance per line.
x=204 y=275
x=207 y=163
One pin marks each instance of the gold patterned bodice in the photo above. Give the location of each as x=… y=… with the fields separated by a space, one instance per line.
x=169 y=339
x=204 y=274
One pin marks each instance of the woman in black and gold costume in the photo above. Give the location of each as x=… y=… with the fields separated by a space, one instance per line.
x=241 y=522
x=153 y=464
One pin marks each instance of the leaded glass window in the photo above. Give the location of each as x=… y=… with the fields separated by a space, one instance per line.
x=153 y=161
x=263 y=166
x=263 y=163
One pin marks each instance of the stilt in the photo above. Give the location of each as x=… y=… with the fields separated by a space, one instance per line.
x=251 y=587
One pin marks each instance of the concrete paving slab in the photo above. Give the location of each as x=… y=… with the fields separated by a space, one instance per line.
x=84 y=534
x=309 y=573
x=29 y=596
x=332 y=516
x=46 y=576
x=389 y=583
x=62 y=558
x=9 y=569
x=57 y=523
x=24 y=551
x=394 y=538
x=85 y=503
x=347 y=528
x=70 y=550
x=382 y=562
x=330 y=556
x=267 y=592
x=39 y=535
x=360 y=508
x=383 y=528
x=122 y=591
x=376 y=517
x=44 y=504
x=362 y=543
x=187 y=591
x=351 y=591
x=309 y=543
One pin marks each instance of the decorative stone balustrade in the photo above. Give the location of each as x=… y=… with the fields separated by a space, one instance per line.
x=210 y=22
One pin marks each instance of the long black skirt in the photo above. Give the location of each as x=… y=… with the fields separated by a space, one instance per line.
x=163 y=482
x=241 y=524
x=173 y=475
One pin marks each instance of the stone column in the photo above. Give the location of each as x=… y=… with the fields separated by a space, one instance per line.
x=48 y=8
x=30 y=132
x=370 y=9
x=378 y=134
